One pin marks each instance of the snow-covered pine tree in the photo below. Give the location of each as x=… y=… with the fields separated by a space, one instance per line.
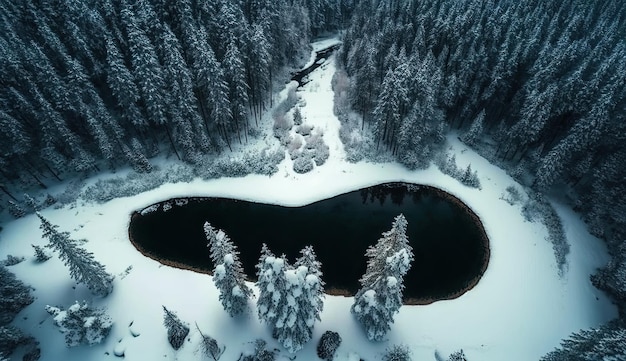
x=15 y=296
x=81 y=324
x=291 y=327
x=83 y=267
x=31 y=202
x=475 y=131
x=10 y=338
x=228 y=272
x=605 y=343
x=272 y=286
x=16 y=210
x=312 y=300
x=40 y=254
x=177 y=330
x=380 y=296
x=210 y=346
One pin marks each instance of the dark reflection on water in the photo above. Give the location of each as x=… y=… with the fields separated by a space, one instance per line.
x=448 y=242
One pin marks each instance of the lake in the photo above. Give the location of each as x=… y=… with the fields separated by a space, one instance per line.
x=450 y=246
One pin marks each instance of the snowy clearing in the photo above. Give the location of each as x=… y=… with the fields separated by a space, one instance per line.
x=519 y=310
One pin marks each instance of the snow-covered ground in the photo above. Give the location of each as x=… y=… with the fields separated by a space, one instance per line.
x=519 y=310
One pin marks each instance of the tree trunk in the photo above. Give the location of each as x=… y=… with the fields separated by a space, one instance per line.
x=3 y=188
x=169 y=136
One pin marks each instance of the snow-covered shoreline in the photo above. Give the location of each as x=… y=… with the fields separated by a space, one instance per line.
x=519 y=310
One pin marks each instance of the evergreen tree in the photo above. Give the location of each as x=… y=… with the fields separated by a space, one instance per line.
x=312 y=300
x=15 y=296
x=177 y=330
x=83 y=267
x=475 y=131
x=605 y=343
x=304 y=293
x=228 y=274
x=235 y=75
x=272 y=286
x=40 y=254
x=380 y=296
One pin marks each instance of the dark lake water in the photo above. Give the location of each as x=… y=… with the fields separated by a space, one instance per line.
x=450 y=247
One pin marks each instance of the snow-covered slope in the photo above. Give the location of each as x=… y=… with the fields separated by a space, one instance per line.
x=519 y=310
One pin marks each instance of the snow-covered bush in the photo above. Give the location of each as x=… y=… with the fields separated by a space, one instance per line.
x=457 y=356
x=259 y=352
x=397 y=353
x=71 y=192
x=12 y=260
x=176 y=329
x=304 y=129
x=329 y=343
x=513 y=195
x=294 y=146
x=134 y=183
x=303 y=163
x=320 y=149
x=81 y=324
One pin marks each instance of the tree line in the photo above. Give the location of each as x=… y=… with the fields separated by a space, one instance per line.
x=92 y=83
x=536 y=86
x=290 y=297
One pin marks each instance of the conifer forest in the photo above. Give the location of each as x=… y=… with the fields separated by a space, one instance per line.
x=536 y=87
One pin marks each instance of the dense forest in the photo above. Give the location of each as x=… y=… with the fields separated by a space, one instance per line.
x=90 y=81
x=536 y=86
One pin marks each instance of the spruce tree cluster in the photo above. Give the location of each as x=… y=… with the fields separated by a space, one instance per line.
x=290 y=297
x=111 y=83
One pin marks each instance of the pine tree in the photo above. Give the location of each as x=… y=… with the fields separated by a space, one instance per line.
x=272 y=286
x=15 y=296
x=291 y=328
x=16 y=210
x=303 y=294
x=228 y=274
x=40 y=254
x=312 y=300
x=83 y=267
x=380 y=296
x=475 y=131
x=605 y=343
x=177 y=330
